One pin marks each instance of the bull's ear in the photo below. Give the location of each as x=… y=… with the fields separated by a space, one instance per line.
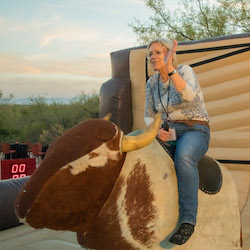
x=130 y=143
x=107 y=117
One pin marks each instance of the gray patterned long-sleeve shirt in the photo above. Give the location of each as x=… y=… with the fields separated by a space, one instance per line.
x=185 y=105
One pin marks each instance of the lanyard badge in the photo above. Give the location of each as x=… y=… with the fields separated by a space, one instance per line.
x=165 y=125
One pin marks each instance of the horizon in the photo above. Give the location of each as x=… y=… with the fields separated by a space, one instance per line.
x=48 y=100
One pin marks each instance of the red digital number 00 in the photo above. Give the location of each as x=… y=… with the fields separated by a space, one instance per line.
x=16 y=168
x=15 y=176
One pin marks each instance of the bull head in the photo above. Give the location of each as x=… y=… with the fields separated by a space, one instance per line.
x=74 y=180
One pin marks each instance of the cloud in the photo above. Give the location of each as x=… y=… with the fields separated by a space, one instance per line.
x=14 y=63
x=119 y=41
x=93 y=67
x=34 y=25
x=49 y=86
x=31 y=70
x=97 y=65
x=73 y=33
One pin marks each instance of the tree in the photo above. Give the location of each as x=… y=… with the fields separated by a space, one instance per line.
x=5 y=100
x=6 y=108
x=48 y=136
x=193 y=20
x=86 y=106
x=40 y=121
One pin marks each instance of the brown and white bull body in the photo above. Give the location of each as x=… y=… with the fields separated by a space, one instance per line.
x=121 y=201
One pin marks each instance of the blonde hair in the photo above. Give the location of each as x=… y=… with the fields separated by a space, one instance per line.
x=167 y=44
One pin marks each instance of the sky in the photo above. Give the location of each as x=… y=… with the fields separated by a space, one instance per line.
x=60 y=48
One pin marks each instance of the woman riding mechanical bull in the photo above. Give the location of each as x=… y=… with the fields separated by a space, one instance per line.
x=175 y=92
x=120 y=192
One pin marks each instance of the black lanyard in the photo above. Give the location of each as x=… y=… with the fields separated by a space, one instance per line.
x=168 y=91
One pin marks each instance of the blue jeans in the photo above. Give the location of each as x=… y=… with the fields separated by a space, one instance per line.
x=192 y=145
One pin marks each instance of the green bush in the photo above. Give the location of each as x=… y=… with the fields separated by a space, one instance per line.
x=40 y=121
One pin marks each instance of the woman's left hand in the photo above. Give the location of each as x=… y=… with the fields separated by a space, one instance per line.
x=169 y=57
x=163 y=134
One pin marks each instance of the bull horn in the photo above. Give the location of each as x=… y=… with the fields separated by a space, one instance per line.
x=130 y=143
x=107 y=117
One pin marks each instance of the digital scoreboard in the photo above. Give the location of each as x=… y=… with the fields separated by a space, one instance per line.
x=16 y=168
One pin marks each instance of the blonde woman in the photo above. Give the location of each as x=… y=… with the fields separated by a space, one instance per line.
x=175 y=92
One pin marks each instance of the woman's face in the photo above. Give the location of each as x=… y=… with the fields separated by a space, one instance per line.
x=156 y=55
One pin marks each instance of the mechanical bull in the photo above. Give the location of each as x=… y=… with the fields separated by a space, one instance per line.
x=120 y=192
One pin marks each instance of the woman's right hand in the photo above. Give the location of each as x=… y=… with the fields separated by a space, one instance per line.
x=169 y=57
x=163 y=134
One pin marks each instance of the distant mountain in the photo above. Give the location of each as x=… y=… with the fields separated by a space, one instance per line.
x=47 y=100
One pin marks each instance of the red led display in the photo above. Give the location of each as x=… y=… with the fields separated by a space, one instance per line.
x=16 y=168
